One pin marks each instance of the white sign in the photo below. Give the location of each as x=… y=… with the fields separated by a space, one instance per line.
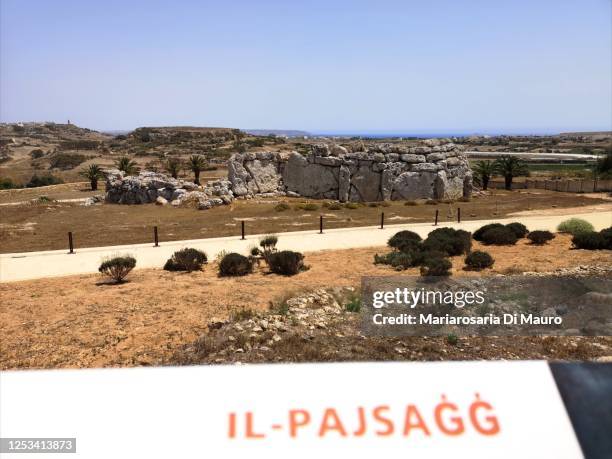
x=362 y=410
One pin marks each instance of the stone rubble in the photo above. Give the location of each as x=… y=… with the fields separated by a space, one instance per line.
x=384 y=172
x=152 y=187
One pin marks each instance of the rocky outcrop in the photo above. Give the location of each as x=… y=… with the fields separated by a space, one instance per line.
x=433 y=170
x=152 y=187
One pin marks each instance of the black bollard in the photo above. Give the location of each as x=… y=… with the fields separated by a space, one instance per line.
x=458 y=214
x=155 y=237
x=70 y=243
x=382 y=220
x=242 y=227
x=436 y=222
x=321 y=224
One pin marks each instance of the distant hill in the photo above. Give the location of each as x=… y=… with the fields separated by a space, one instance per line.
x=278 y=132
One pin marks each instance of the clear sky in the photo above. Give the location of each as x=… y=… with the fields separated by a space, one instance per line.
x=435 y=66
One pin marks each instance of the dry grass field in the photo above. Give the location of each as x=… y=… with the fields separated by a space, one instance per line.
x=43 y=226
x=82 y=321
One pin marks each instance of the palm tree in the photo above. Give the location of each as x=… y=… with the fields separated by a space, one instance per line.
x=93 y=173
x=126 y=165
x=510 y=167
x=174 y=167
x=483 y=171
x=197 y=163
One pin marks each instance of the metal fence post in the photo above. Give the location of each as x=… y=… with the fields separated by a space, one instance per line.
x=155 y=237
x=436 y=221
x=321 y=224
x=458 y=214
x=70 y=243
x=242 y=229
x=382 y=220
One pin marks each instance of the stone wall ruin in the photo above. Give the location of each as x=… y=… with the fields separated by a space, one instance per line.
x=433 y=170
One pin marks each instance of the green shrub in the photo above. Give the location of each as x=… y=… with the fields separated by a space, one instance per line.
x=351 y=205
x=281 y=207
x=411 y=203
x=451 y=241
x=117 y=268
x=186 y=260
x=37 y=153
x=234 y=264
x=480 y=231
x=404 y=241
x=398 y=260
x=432 y=202
x=43 y=180
x=499 y=236
x=268 y=244
x=286 y=262
x=478 y=260
x=332 y=205
x=353 y=304
x=540 y=237
x=436 y=267
x=307 y=206
x=593 y=240
x=452 y=339
x=574 y=226
x=7 y=184
x=519 y=230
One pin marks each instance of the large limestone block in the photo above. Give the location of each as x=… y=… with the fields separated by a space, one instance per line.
x=448 y=186
x=414 y=185
x=264 y=175
x=344 y=183
x=311 y=180
x=238 y=175
x=365 y=185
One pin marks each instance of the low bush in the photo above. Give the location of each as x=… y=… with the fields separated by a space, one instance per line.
x=398 y=260
x=575 y=226
x=7 y=184
x=307 y=206
x=436 y=267
x=519 y=230
x=43 y=180
x=118 y=267
x=404 y=241
x=351 y=205
x=451 y=241
x=499 y=236
x=480 y=231
x=353 y=304
x=286 y=262
x=332 y=205
x=411 y=203
x=234 y=264
x=540 y=237
x=478 y=260
x=281 y=207
x=593 y=240
x=37 y=153
x=186 y=260
x=432 y=202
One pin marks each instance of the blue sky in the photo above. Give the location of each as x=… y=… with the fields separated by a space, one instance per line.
x=404 y=66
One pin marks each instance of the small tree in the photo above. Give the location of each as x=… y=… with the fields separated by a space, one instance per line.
x=483 y=171
x=174 y=166
x=510 y=167
x=126 y=165
x=93 y=173
x=197 y=163
x=117 y=268
x=268 y=244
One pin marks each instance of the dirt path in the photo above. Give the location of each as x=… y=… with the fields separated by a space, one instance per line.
x=79 y=322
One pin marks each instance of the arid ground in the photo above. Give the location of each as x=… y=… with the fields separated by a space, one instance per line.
x=82 y=321
x=44 y=225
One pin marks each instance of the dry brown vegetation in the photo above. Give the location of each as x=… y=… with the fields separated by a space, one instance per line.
x=80 y=321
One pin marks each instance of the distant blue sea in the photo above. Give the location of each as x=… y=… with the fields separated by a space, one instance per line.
x=428 y=135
